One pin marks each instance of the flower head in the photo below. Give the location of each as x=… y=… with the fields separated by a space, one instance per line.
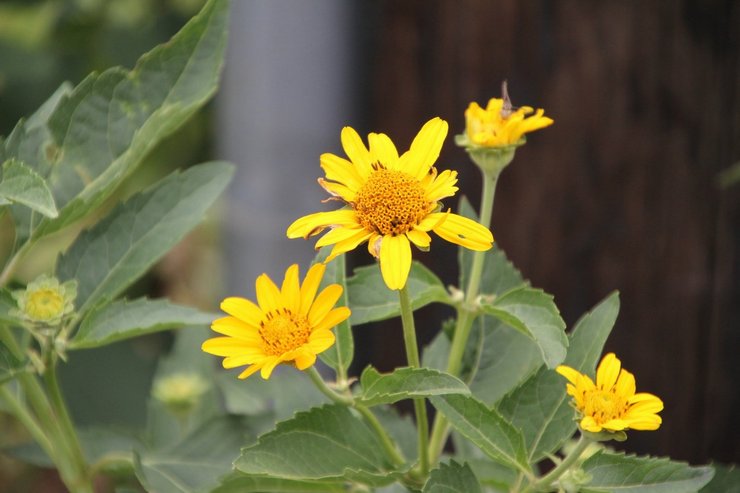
x=391 y=201
x=611 y=404
x=500 y=124
x=287 y=325
x=180 y=392
x=45 y=300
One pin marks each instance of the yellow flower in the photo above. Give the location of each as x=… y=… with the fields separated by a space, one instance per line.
x=45 y=300
x=611 y=404
x=500 y=125
x=287 y=325
x=392 y=201
x=180 y=392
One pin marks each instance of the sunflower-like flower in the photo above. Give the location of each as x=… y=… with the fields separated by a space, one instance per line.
x=391 y=201
x=500 y=124
x=611 y=404
x=287 y=325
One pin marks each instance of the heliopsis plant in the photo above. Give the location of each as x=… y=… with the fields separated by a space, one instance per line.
x=504 y=420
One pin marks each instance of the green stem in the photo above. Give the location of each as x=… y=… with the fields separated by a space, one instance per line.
x=545 y=481
x=11 y=264
x=387 y=442
x=412 y=356
x=23 y=415
x=466 y=314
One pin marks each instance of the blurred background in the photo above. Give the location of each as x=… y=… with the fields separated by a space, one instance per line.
x=631 y=189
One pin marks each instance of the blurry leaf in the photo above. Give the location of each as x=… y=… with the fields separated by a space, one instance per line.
x=485 y=427
x=7 y=303
x=238 y=483
x=630 y=474
x=540 y=408
x=197 y=463
x=726 y=480
x=120 y=320
x=10 y=366
x=496 y=477
x=434 y=355
x=329 y=442
x=499 y=275
x=85 y=142
x=22 y=185
x=341 y=353
x=729 y=176
x=452 y=478
x=111 y=255
x=406 y=383
x=401 y=429
x=534 y=314
x=371 y=300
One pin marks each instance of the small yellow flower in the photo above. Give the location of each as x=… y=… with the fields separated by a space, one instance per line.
x=611 y=404
x=45 y=300
x=392 y=201
x=180 y=392
x=501 y=125
x=287 y=325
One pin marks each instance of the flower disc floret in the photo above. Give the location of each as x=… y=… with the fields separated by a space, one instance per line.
x=611 y=403
x=290 y=324
x=391 y=202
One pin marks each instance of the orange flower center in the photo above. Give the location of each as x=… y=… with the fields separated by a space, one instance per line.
x=44 y=304
x=283 y=331
x=604 y=405
x=391 y=202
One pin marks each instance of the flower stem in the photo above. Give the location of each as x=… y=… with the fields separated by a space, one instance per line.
x=412 y=356
x=545 y=481
x=27 y=420
x=388 y=444
x=466 y=314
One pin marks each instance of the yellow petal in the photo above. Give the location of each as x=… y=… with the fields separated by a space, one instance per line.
x=243 y=309
x=340 y=170
x=313 y=224
x=233 y=327
x=337 y=235
x=349 y=244
x=646 y=423
x=320 y=340
x=419 y=238
x=432 y=221
x=226 y=346
x=291 y=290
x=254 y=357
x=249 y=371
x=356 y=151
x=338 y=190
x=572 y=375
x=333 y=318
x=465 y=232
x=625 y=385
x=425 y=148
x=615 y=425
x=269 y=365
x=589 y=424
x=323 y=303
x=268 y=295
x=608 y=371
x=305 y=359
x=310 y=286
x=442 y=186
x=383 y=151
x=395 y=260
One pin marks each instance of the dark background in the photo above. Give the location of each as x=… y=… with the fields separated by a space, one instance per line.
x=622 y=192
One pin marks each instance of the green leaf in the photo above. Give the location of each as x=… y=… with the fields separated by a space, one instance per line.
x=407 y=383
x=485 y=427
x=7 y=304
x=499 y=275
x=540 y=408
x=239 y=483
x=111 y=255
x=340 y=355
x=197 y=463
x=10 y=366
x=84 y=142
x=630 y=474
x=371 y=300
x=534 y=314
x=328 y=442
x=452 y=478
x=22 y=185
x=121 y=320
x=726 y=480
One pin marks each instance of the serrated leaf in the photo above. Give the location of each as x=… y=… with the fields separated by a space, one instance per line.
x=499 y=274
x=407 y=383
x=338 y=356
x=121 y=320
x=452 y=478
x=111 y=255
x=726 y=479
x=485 y=427
x=84 y=142
x=197 y=463
x=631 y=474
x=255 y=484
x=534 y=314
x=22 y=185
x=371 y=300
x=540 y=407
x=329 y=442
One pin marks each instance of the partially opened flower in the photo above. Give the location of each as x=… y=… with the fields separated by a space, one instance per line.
x=391 y=201
x=611 y=403
x=500 y=124
x=46 y=300
x=290 y=324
